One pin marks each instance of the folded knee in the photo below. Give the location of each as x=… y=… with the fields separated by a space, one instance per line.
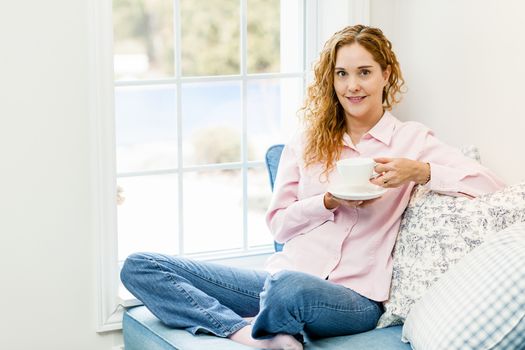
x=135 y=265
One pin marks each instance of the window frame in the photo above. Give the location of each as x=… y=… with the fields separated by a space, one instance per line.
x=102 y=140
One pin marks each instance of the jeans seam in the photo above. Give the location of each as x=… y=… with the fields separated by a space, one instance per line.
x=327 y=306
x=190 y=298
x=336 y=309
x=218 y=283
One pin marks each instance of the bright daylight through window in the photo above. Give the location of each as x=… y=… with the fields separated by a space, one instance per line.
x=202 y=89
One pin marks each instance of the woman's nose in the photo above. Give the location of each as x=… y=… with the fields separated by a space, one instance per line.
x=353 y=84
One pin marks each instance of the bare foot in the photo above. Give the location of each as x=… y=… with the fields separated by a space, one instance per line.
x=280 y=341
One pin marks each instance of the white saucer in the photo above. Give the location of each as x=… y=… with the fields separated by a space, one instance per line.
x=356 y=193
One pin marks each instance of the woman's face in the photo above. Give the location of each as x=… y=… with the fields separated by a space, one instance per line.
x=359 y=82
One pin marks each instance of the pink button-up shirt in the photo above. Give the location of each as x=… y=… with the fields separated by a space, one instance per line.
x=353 y=246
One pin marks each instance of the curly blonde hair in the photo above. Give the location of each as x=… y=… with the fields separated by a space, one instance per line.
x=322 y=113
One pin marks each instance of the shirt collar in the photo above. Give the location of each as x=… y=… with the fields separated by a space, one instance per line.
x=382 y=131
x=384 y=128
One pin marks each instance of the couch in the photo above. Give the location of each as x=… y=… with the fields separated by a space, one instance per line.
x=143 y=331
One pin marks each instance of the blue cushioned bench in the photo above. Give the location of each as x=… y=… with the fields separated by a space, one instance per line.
x=143 y=331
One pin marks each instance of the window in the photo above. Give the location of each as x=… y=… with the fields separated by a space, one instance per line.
x=151 y=104
x=202 y=88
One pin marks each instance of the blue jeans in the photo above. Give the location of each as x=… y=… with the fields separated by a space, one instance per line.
x=207 y=297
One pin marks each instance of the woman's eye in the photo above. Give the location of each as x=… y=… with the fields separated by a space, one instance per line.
x=340 y=73
x=365 y=72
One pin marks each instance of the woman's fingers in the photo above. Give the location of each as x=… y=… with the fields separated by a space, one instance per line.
x=385 y=181
x=383 y=160
x=378 y=181
x=383 y=164
x=393 y=171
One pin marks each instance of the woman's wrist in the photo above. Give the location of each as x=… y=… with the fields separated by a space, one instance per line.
x=424 y=176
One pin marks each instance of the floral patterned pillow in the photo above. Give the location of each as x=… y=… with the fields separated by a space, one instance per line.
x=436 y=232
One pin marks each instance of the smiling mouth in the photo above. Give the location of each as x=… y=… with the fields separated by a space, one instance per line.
x=356 y=99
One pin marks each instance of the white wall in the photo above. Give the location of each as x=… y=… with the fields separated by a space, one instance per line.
x=333 y=15
x=464 y=64
x=47 y=279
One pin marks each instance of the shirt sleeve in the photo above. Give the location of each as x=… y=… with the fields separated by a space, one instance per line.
x=453 y=173
x=287 y=215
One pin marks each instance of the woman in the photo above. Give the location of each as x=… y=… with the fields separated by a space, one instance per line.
x=335 y=269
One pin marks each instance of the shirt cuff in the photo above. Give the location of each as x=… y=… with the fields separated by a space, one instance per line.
x=441 y=179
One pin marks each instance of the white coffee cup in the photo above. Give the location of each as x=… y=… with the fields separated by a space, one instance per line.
x=356 y=171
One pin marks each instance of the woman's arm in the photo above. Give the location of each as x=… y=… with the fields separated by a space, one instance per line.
x=287 y=215
x=440 y=168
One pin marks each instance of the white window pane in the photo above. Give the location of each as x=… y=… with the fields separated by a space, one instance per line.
x=148 y=215
x=259 y=194
x=272 y=106
x=211 y=118
x=263 y=38
x=211 y=123
x=212 y=210
x=143 y=39
x=210 y=37
x=146 y=128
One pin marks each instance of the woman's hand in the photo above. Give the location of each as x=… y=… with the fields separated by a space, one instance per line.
x=331 y=202
x=395 y=172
